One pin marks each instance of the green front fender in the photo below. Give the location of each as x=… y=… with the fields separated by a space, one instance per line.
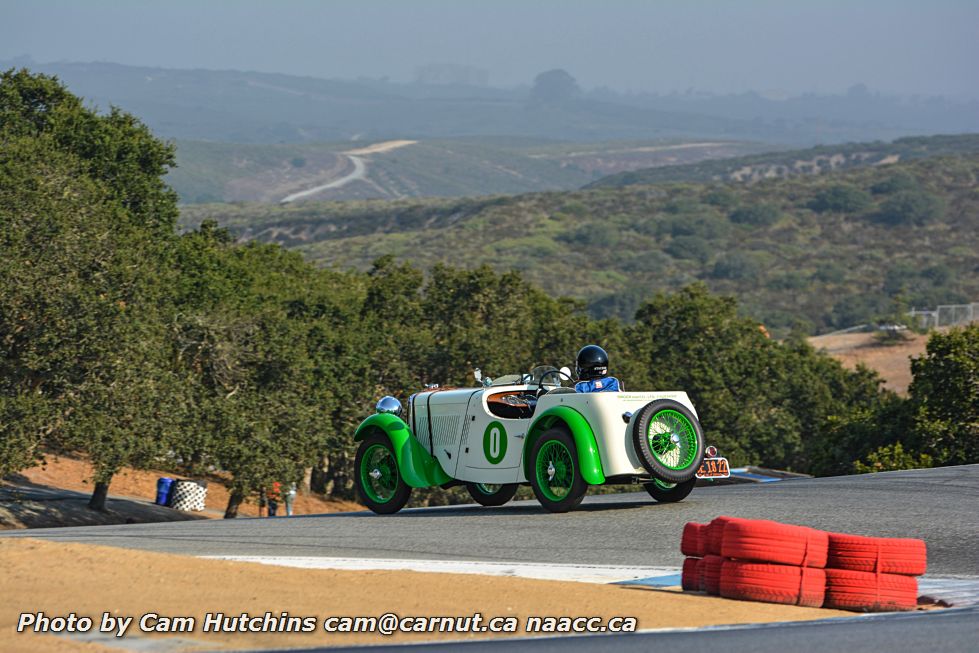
x=589 y=460
x=417 y=467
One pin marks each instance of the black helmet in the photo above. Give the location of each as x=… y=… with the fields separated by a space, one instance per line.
x=592 y=363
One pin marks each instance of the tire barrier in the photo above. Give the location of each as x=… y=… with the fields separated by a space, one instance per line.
x=870 y=592
x=760 y=560
x=188 y=496
x=877 y=554
x=773 y=583
x=769 y=541
x=692 y=540
x=691 y=579
x=715 y=534
x=711 y=569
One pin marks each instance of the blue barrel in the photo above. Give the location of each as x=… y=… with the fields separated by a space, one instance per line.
x=163 y=487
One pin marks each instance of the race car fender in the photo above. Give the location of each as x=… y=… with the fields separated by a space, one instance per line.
x=589 y=460
x=417 y=467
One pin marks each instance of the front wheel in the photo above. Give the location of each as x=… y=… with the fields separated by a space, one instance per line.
x=555 y=477
x=665 y=492
x=491 y=494
x=379 y=482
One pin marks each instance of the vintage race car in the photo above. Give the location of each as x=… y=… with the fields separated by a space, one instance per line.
x=531 y=428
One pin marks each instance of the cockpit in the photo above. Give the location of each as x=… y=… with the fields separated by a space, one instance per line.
x=518 y=393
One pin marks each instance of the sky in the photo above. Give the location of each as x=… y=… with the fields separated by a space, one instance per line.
x=906 y=47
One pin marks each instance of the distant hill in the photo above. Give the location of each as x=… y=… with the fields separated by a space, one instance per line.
x=786 y=163
x=229 y=172
x=807 y=252
x=250 y=107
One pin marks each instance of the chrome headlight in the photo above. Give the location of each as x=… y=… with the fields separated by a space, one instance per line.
x=389 y=405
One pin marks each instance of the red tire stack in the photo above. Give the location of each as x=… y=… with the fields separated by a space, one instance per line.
x=692 y=546
x=760 y=560
x=873 y=574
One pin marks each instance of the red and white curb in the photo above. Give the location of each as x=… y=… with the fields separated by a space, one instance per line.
x=535 y=570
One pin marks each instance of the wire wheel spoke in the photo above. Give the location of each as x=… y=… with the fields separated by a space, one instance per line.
x=672 y=439
x=379 y=473
x=555 y=470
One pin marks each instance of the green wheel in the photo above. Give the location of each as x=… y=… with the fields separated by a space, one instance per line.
x=669 y=440
x=379 y=482
x=555 y=476
x=669 y=492
x=491 y=494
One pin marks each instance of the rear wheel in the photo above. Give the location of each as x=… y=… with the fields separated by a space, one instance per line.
x=491 y=494
x=669 y=492
x=555 y=477
x=668 y=440
x=379 y=482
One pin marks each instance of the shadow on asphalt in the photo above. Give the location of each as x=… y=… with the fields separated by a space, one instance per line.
x=529 y=508
x=24 y=504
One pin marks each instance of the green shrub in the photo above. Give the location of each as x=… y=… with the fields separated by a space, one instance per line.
x=911 y=207
x=593 y=234
x=892 y=458
x=757 y=215
x=690 y=247
x=788 y=281
x=721 y=197
x=840 y=198
x=896 y=182
x=737 y=265
x=830 y=272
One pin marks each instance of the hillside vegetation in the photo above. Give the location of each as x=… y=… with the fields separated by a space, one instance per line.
x=810 y=161
x=229 y=172
x=137 y=346
x=810 y=253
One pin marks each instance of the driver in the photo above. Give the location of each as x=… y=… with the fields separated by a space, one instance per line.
x=592 y=370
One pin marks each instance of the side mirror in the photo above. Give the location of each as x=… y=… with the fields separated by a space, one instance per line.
x=566 y=372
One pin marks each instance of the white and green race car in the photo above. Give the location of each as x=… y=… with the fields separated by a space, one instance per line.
x=531 y=428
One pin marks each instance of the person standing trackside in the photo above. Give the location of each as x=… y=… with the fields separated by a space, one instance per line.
x=290 y=498
x=273 y=496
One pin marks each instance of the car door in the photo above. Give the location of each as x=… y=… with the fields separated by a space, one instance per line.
x=492 y=445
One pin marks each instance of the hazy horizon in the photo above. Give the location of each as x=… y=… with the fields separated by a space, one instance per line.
x=896 y=47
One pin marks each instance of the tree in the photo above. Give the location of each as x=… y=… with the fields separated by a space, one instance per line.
x=116 y=149
x=554 y=87
x=252 y=405
x=88 y=223
x=944 y=397
x=759 y=401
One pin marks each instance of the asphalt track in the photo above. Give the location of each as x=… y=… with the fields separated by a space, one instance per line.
x=947 y=631
x=940 y=506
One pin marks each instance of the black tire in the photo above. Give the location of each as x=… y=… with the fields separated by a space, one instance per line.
x=685 y=441
x=390 y=495
x=678 y=492
x=555 y=450
x=484 y=496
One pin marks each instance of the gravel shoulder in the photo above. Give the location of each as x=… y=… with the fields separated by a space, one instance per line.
x=59 y=578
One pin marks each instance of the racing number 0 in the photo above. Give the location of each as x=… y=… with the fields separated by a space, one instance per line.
x=494 y=443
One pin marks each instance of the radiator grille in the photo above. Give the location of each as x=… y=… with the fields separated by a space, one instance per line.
x=445 y=430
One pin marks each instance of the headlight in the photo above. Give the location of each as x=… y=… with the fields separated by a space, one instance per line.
x=389 y=405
